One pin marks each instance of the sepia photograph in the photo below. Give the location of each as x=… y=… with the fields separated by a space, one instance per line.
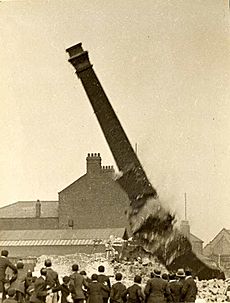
x=115 y=151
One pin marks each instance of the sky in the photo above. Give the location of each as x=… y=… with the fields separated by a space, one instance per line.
x=165 y=66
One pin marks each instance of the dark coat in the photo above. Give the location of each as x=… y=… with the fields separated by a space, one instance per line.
x=157 y=290
x=189 y=290
x=52 y=279
x=19 y=282
x=40 y=291
x=116 y=292
x=103 y=279
x=133 y=294
x=65 y=291
x=175 y=290
x=77 y=281
x=4 y=263
x=95 y=292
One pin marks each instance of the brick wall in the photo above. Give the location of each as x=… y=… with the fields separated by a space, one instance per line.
x=28 y=223
x=93 y=201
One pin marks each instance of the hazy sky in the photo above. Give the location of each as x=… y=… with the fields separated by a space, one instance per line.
x=165 y=66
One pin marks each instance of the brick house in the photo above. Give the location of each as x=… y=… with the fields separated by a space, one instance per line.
x=218 y=249
x=95 y=202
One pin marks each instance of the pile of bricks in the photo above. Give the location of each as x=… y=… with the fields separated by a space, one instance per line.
x=212 y=290
x=208 y=290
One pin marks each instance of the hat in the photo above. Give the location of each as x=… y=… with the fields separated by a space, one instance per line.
x=180 y=273
x=157 y=272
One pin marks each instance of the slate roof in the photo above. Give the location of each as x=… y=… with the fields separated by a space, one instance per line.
x=26 y=209
x=58 y=236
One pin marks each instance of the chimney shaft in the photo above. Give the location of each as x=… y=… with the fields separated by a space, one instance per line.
x=185 y=228
x=93 y=164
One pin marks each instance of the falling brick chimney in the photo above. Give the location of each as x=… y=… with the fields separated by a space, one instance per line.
x=93 y=164
x=38 y=209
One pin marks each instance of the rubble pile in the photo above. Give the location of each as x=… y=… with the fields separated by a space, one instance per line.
x=63 y=264
x=90 y=263
x=212 y=290
x=208 y=290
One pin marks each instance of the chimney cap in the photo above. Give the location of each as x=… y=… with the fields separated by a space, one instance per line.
x=93 y=155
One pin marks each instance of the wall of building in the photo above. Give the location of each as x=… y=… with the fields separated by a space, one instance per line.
x=36 y=251
x=93 y=201
x=197 y=247
x=28 y=223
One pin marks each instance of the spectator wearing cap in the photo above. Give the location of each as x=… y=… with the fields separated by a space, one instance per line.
x=175 y=287
x=52 y=281
x=134 y=293
x=11 y=296
x=17 y=282
x=95 y=290
x=4 y=263
x=117 y=290
x=40 y=288
x=189 y=289
x=77 y=282
x=64 y=288
x=156 y=289
x=103 y=279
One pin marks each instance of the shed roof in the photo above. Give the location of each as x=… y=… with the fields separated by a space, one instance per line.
x=57 y=236
x=27 y=209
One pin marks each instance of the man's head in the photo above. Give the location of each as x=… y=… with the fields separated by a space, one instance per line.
x=66 y=279
x=94 y=277
x=43 y=271
x=188 y=272
x=20 y=265
x=101 y=268
x=4 y=253
x=83 y=273
x=48 y=263
x=11 y=292
x=165 y=276
x=118 y=276
x=75 y=267
x=137 y=279
x=29 y=274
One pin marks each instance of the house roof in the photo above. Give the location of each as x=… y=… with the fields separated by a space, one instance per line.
x=194 y=238
x=27 y=209
x=223 y=233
